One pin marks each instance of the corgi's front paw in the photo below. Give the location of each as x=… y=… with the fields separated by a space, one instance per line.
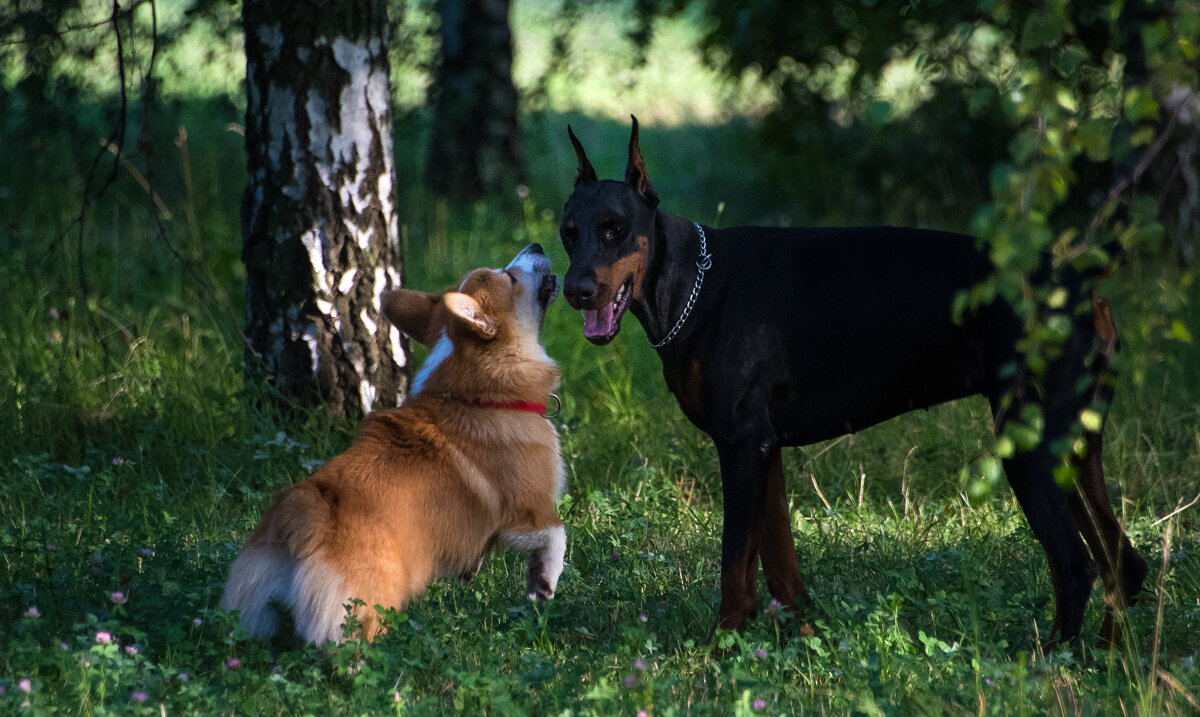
x=540 y=589
x=540 y=582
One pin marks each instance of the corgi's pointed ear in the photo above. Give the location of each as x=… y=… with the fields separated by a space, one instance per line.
x=413 y=313
x=467 y=310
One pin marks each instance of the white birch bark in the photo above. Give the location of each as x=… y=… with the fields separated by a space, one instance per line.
x=319 y=219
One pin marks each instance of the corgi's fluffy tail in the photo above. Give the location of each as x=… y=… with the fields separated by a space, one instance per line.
x=282 y=564
x=263 y=574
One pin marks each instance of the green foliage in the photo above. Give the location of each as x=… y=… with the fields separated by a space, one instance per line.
x=900 y=111
x=68 y=48
x=136 y=459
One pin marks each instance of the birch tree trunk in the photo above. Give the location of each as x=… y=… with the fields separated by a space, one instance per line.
x=319 y=220
x=475 y=141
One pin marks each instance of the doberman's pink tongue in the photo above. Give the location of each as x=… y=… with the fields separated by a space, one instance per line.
x=598 y=322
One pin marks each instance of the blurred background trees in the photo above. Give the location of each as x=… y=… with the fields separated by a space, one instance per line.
x=892 y=110
x=475 y=138
x=1061 y=129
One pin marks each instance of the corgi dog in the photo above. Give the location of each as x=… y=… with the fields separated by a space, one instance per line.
x=468 y=462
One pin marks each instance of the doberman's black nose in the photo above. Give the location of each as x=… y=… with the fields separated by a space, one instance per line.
x=579 y=290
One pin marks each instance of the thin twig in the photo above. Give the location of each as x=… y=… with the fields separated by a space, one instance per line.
x=143 y=180
x=111 y=19
x=819 y=493
x=1162 y=578
x=904 y=479
x=117 y=138
x=827 y=448
x=1174 y=683
x=1177 y=511
x=114 y=144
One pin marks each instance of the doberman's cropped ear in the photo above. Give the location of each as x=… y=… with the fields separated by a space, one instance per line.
x=587 y=174
x=635 y=171
x=467 y=310
x=413 y=312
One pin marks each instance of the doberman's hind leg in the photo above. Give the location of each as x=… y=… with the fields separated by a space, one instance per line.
x=777 y=548
x=1122 y=570
x=743 y=485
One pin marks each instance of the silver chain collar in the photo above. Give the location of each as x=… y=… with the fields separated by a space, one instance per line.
x=703 y=265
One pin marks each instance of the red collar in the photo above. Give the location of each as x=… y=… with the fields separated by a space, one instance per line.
x=528 y=406
x=531 y=407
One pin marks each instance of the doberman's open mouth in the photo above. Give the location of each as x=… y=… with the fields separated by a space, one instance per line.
x=600 y=326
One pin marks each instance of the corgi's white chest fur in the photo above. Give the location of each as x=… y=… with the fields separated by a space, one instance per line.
x=440 y=352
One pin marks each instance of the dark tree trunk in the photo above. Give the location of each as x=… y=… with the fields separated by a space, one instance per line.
x=318 y=218
x=475 y=143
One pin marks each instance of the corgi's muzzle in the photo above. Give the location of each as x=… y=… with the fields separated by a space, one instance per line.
x=536 y=274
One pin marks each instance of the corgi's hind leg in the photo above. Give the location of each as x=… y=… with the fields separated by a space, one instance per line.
x=546 y=548
x=261 y=575
x=322 y=592
x=318 y=599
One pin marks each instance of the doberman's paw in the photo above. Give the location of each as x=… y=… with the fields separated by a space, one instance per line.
x=732 y=622
x=1111 y=632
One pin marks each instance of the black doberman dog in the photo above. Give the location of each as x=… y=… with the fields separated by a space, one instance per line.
x=784 y=337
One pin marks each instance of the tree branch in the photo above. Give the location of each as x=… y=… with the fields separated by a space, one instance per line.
x=1130 y=180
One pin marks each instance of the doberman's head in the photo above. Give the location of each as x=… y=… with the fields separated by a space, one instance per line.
x=607 y=229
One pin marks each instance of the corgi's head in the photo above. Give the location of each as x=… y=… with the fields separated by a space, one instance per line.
x=485 y=336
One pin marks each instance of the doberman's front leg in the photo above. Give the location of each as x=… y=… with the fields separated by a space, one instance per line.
x=1122 y=569
x=776 y=546
x=743 y=484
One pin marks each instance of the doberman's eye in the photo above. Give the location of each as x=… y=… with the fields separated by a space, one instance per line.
x=612 y=232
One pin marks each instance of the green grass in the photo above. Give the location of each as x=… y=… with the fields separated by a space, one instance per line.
x=134 y=459
x=140 y=467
